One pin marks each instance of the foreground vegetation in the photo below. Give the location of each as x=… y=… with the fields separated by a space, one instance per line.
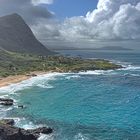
x=16 y=63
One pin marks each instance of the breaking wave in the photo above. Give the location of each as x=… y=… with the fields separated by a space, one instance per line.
x=39 y=81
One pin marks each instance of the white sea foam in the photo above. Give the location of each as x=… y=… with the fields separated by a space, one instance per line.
x=45 y=86
x=131 y=74
x=4 y=96
x=96 y=72
x=131 y=67
x=28 y=125
x=24 y=123
x=73 y=77
x=80 y=136
x=42 y=80
x=124 y=64
x=46 y=137
x=3 y=111
x=39 y=81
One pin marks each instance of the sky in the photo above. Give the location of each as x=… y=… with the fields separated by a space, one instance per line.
x=70 y=8
x=78 y=20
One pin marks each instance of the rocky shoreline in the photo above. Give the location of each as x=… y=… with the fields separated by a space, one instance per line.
x=6 y=102
x=10 y=132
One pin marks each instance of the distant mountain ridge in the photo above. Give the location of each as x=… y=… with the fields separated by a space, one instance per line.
x=113 y=48
x=16 y=36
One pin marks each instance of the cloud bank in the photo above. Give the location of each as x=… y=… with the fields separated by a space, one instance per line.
x=30 y=10
x=113 y=19
x=37 y=2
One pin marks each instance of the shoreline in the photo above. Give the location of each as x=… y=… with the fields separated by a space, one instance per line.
x=14 y=79
x=19 y=78
x=7 y=124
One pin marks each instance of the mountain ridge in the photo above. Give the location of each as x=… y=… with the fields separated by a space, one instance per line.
x=16 y=36
x=113 y=48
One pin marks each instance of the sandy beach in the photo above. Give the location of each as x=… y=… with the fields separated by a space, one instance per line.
x=19 y=78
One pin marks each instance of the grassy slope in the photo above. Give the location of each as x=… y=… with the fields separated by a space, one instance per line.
x=15 y=63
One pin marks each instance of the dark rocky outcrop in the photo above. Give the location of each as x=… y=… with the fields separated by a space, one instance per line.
x=20 y=106
x=10 y=132
x=43 y=130
x=31 y=75
x=7 y=122
x=6 y=102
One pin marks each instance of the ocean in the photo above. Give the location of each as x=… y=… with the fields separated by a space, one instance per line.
x=92 y=105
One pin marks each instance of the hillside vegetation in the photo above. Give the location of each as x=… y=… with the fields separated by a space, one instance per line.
x=12 y=63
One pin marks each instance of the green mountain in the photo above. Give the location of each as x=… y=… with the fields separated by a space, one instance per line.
x=16 y=36
x=21 y=52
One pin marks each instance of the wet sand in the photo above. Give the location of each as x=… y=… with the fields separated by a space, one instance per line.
x=18 y=78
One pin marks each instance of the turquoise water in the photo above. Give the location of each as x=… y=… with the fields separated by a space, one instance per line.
x=93 y=105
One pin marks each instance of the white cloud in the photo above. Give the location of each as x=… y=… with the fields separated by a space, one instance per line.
x=31 y=13
x=113 y=19
x=37 y=2
x=36 y=15
x=46 y=29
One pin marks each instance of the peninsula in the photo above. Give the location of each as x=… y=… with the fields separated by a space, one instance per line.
x=21 y=53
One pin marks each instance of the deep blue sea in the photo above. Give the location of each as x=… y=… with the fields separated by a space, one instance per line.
x=92 y=105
